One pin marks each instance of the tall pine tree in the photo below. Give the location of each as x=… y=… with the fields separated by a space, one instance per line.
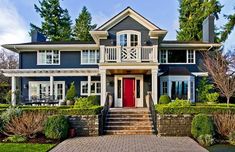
x=56 y=24
x=192 y=15
x=83 y=26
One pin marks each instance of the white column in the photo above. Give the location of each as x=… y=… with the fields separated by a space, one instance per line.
x=102 y=53
x=51 y=86
x=13 y=91
x=103 y=87
x=154 y=85
x=155 y=53
x=89 y=84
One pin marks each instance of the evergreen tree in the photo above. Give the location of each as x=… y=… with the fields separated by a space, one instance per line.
x=228 y=27
x=83 y=26
x=192 y=15
x=56 y=24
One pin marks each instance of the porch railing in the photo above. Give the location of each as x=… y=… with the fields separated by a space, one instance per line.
x=104 y=113
x=129 y=54
x=152 y=111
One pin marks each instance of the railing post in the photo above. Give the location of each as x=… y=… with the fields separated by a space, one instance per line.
x=102 y=53
x=118 y=52
x=139 y=50
x=155 y=53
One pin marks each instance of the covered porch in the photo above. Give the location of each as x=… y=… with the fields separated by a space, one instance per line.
x=129 y=84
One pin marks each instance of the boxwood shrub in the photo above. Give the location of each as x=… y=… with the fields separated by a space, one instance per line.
x=202 y=124
x=164 y=99
x=56 y=127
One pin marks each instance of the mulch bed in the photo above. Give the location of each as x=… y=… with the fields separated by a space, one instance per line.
x=39 y=139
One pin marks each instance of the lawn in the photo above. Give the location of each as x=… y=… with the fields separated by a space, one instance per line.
x=22 y=147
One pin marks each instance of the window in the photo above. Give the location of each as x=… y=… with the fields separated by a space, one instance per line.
x=179 y=89
x=128 y=38
x=164 y=87
x=95 y=88
x=89 y=56
x=190 y=56
x=163 y=56
x=176 y=56
x=137 y=88
x=41 y=89
x=48 y=57
x=119 y=94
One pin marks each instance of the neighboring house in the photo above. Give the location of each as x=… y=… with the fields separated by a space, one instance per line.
x=128 y=58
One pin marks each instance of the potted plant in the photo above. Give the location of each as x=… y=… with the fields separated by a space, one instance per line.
x=71 y=94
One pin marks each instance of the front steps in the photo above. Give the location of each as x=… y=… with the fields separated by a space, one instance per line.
x=129 y=122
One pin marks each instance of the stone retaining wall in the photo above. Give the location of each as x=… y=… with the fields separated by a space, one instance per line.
x=174 y=125
x=85 y=125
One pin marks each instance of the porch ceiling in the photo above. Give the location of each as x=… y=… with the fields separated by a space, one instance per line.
x=127 y=71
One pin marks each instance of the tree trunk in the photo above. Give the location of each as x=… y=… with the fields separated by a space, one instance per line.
x=228 y=101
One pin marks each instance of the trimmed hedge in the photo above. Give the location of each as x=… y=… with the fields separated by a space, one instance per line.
x=95 y=110
x=165 y=109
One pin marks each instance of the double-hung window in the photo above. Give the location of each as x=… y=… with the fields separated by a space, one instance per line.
x=164 y=88
x=190 y=56
x=89 y=57
x=95 y=88
x=48 y=57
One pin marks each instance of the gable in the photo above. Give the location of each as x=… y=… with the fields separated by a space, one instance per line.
x=128 y=12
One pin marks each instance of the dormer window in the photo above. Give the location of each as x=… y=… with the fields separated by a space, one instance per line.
x=129 y=38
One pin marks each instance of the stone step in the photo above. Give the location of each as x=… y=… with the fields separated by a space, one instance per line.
x=129 y=132
x=128 y=123
x=108 y=119
x=129 y=115
x=129 y=127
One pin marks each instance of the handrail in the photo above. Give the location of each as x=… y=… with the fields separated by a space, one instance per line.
x=104 y=112
x=153 y=112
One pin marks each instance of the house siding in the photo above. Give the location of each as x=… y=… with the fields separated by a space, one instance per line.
x=68 y=59
x=128 y=24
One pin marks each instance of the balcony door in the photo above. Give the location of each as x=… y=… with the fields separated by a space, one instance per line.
x=129 y=38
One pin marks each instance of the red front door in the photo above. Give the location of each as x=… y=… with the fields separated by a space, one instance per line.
x=128 y=92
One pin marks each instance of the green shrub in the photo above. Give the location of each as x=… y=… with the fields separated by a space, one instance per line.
x=179 y=103
x=56 y=127
x=164 y=99
x=202 y=125
x=232 y=138
x=16 y=139
x=206 y=140
x=86 y=102
x=10 y=112
x=212 y=97
x=71 y=93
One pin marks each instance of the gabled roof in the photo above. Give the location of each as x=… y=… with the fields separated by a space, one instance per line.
x=125 y=13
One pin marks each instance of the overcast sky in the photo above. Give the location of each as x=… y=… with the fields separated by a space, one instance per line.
x=16 y=15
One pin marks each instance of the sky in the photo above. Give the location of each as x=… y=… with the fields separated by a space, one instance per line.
x=16 y=15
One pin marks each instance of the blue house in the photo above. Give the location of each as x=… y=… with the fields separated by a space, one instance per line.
x=128 y=58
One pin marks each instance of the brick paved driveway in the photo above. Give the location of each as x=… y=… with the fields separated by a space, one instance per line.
x=131 y=143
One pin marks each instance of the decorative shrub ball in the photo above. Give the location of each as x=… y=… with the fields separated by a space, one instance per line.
x=202 y=125
x=56 y=127
x=164 y=99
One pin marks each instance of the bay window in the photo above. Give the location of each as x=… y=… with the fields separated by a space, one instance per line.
x=48 y=57
x=89 y=57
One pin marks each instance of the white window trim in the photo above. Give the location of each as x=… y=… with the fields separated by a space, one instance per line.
x=129 y=32
x=89 y=85
x=194 y=59
x=48 y=83
x=170 y=78
x=38 y=63
x=88 y=63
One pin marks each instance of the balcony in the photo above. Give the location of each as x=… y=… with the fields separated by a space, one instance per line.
x=115 y=54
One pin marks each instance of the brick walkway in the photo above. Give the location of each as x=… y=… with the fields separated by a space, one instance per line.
x=131 y=143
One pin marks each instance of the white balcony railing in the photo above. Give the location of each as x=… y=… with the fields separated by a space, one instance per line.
x=128 y=54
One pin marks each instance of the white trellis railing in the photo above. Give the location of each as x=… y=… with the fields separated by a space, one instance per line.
x=128 y=54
